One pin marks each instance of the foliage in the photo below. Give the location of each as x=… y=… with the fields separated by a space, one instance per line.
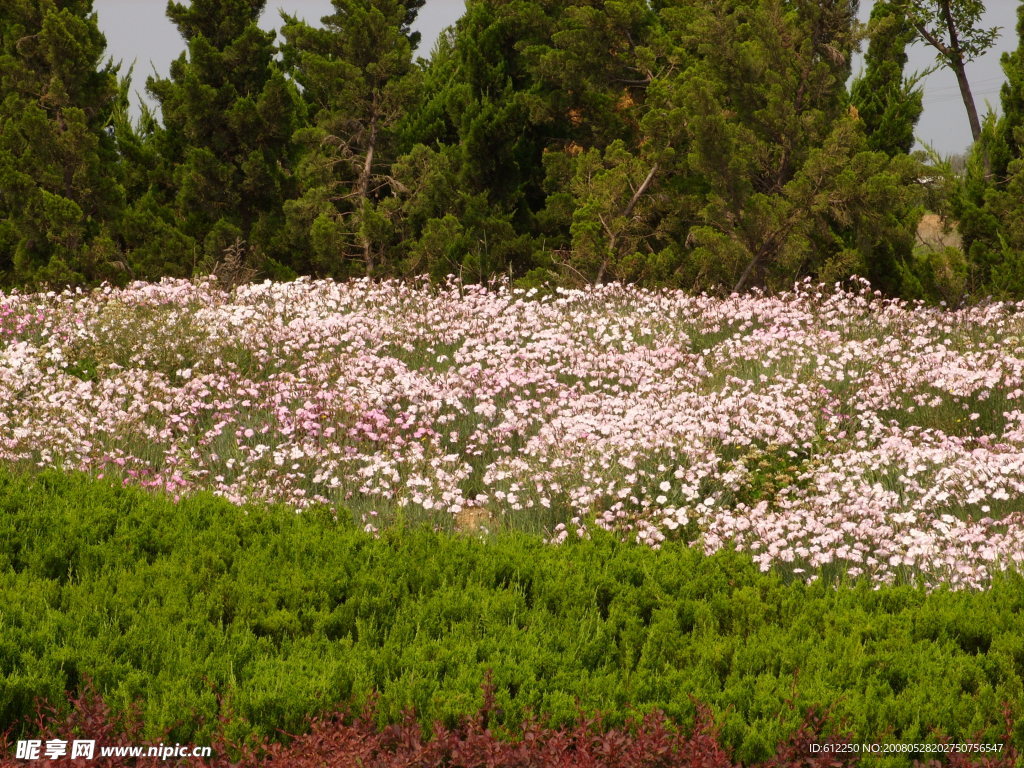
x=938 y=21
x=150 y=231
x=989 y=204
x=348 y=741
x=357 y=81
x=791 y=186
x=712 y=147
x=228 y=117
x=60 y=188
x=953 y=29
x=200 y=609
x=889 y=104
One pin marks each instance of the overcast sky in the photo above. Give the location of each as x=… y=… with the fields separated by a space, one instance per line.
x=138 y=31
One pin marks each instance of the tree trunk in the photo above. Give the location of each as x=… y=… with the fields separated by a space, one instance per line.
x=968 y=97
x=363 y=187
x=954 y=58
x=956 y=61
x=625 y=214
x=742 y=282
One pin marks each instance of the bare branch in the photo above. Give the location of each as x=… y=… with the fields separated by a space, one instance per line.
x=639 y=192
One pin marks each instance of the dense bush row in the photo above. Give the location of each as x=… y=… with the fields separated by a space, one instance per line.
x=202 y=611
x=346 y=741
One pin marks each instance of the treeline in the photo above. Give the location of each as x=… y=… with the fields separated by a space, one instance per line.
x=708 y=146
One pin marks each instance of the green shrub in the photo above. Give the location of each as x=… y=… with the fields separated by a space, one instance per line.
x=200 y=608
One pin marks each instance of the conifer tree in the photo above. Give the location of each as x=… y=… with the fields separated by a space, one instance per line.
x=466 y=171
x=60 y=197
x=791 y=187
x=992 y=203
x=592 y=70
x=517 y=92
x=888 y=104
x=1011 y=123
x=149 y=230
x=357 y=80
x=228 y=117
x=501 y=126
x=607 y=166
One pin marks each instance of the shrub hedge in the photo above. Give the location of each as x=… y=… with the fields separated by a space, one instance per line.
x=347 y=740
x=199 y=609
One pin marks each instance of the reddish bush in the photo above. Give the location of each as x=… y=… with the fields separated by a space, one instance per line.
x=345 y=741
x=1007 y=757
x=652 y=743
x=88 y=718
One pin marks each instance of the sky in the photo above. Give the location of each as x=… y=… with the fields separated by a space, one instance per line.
x=138 y=31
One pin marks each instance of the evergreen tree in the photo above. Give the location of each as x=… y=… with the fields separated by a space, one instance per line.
x=889 y=107
x=511 y=99
x=606 y=169
x=357 y=80
x=228 y=118
x=1011 y=124
x=592 y=70
x=887 y=103
x=628 y=207
x=60 y=196
x=992 y=200
x=149 y=230
x=502 y=127
x=485 y=110
x=614 y=231
x=791 y=186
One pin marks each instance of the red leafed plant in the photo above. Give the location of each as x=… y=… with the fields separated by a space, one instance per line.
x=587 y=744
x=88 y=718
x=342 y=740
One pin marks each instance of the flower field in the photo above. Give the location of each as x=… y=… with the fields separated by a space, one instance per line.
x=830 y=433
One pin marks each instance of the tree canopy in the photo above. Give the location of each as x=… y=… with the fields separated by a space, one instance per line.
x=711 y=146
x=60 y=196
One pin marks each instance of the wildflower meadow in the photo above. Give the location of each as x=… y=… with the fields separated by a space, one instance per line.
x=828 y=432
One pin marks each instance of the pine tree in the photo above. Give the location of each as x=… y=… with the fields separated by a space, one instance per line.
x=791 y=188
x=228 y=117
x=357 y=79
x=992 y=202
x=60 y=197
x=1011 y=124
x=887 y=103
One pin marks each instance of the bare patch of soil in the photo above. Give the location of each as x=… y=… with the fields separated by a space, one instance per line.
x=472 y=519
x=934 y=232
